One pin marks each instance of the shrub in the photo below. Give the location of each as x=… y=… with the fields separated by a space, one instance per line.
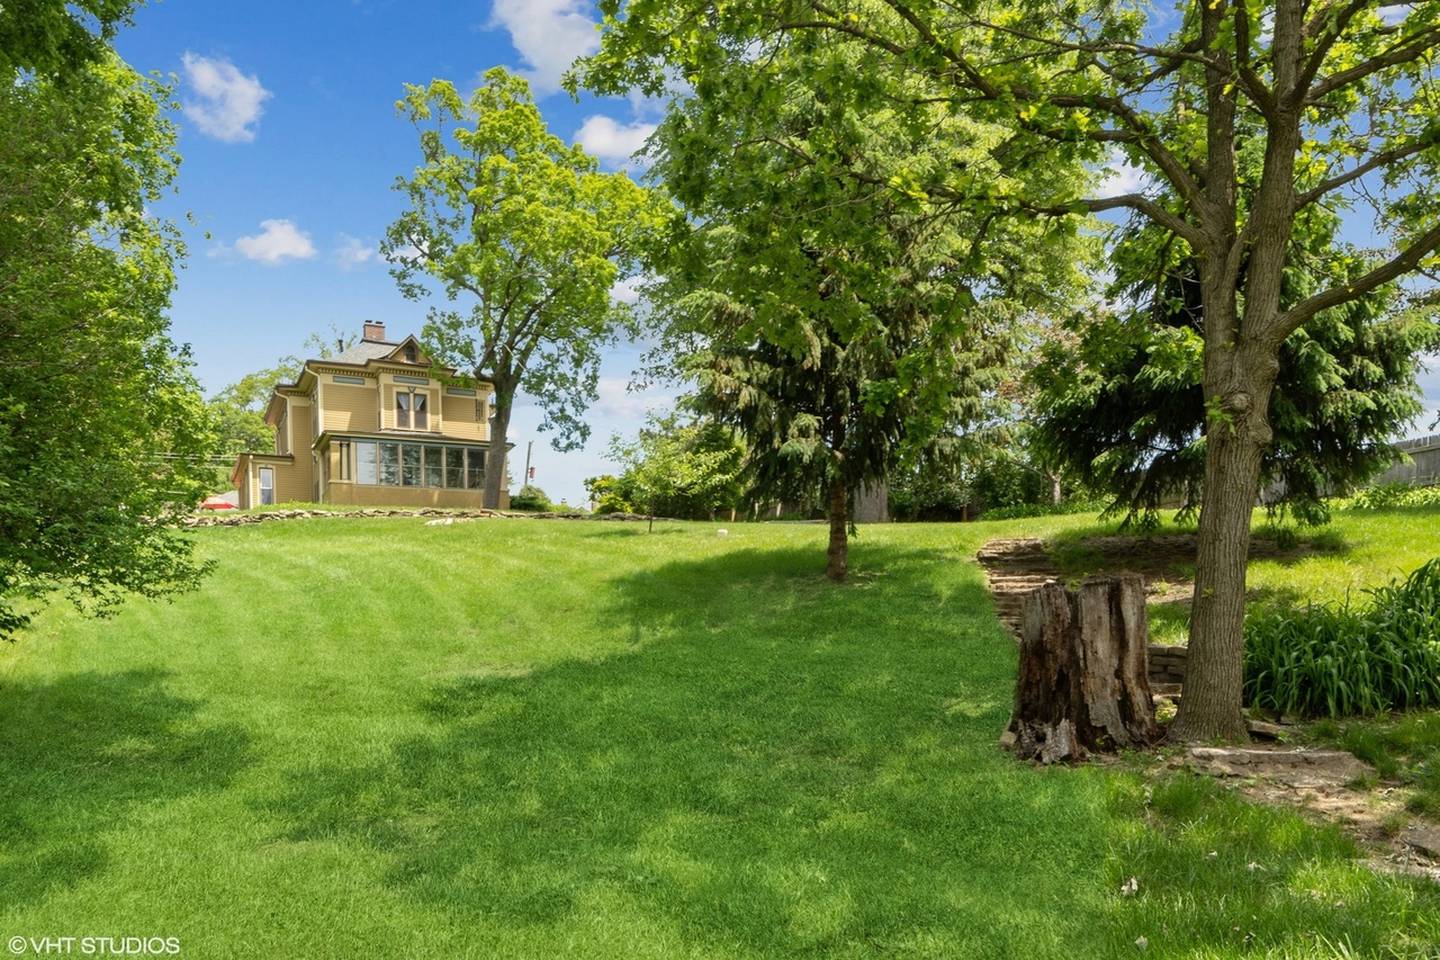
x=1334 y=660
x=531 y=497
x=1389 y=495
x=613 y=503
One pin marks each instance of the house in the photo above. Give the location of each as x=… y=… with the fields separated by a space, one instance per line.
x=375 y=425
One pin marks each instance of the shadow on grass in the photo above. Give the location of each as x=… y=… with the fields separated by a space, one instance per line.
x=77 y=753
x=1169 y=552
x=1170 y=619
x=776 y=766
x=1217 y=876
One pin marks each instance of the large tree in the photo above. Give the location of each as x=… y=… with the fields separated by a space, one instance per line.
x=1119 y=399
x=525 y=237
x=825 y=306
x=103 y=432
x=1337 y=97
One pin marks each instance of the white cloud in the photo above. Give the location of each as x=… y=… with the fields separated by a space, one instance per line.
x=549 y=35
x=229 y=103
x=614 y=143
x=354 y=252
x=619 y=402
x=627 y=290
x=1123 y=177
x=277 y=241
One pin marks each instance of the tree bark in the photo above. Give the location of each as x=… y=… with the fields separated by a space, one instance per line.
x=496 y=456
x=1238 y=389
x=1083 y=682
x=837 y=556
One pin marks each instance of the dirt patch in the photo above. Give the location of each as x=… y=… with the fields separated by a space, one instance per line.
x=1328 y=785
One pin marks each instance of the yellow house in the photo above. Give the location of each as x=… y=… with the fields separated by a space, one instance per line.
x=374 y=426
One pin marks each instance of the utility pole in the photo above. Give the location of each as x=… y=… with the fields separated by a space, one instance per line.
x=525 y=477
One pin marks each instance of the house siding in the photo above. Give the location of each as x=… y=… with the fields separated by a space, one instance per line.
x=465 y=417
x=350 y=408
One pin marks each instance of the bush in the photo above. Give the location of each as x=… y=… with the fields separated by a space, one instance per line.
x=1389 y=495
x=613 y=503
x=1334 y=660
x=533 y=498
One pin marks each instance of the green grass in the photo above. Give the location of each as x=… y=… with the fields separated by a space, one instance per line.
x=1404 y=748
x=1359 y=549
x=542 y=739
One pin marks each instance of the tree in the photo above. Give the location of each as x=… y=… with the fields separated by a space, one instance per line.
x=526 y=230
x=239 y=408
x=1341 y=100
x=1119 y=397
x=677 y=466
x=54 y=39
x=606 y=492
x=104 y=437
x=827 y=308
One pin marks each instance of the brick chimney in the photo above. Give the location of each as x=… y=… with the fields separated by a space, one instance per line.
x=374 y=331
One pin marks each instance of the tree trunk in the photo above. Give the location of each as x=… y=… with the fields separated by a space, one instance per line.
x=495 y=459
x=1083 y=682
x=837 y=557
x=1210 y=707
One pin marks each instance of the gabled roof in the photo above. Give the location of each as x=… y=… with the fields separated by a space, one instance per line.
x=363 y=351
x=398 y=354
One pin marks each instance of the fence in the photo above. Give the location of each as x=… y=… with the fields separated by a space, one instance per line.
x=1422 y=466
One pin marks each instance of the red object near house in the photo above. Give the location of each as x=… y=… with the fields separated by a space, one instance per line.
x=217 y=503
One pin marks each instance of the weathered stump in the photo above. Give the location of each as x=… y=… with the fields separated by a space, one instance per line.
x=1083 y=683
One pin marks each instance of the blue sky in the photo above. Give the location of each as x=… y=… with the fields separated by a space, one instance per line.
x=291 y=145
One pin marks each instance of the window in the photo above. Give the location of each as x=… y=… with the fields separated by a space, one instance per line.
x=413 y=465
x=267 y=485
x=455 y=467
x=390 y=464
x=411 y=410
x=459 y=392
x=409 y=353
x=358 y=381
x=343 y=449
x=365 y=463
x=475 y=470
x=410 y=465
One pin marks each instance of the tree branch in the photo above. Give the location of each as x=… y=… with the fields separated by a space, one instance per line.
x=1382 y=159
x=1409 y=49
x=1404 y=262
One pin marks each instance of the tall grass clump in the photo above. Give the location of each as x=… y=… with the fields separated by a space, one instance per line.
x=1390 y=495
x=1336 y=660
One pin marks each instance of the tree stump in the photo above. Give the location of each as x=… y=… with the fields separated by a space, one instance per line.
x=1083 y=683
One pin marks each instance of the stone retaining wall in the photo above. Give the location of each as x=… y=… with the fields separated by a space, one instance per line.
x=243 y=519
x=1167 y=664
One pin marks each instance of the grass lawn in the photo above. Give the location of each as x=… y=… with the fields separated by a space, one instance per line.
x=1358 y=549
x=544 y=739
